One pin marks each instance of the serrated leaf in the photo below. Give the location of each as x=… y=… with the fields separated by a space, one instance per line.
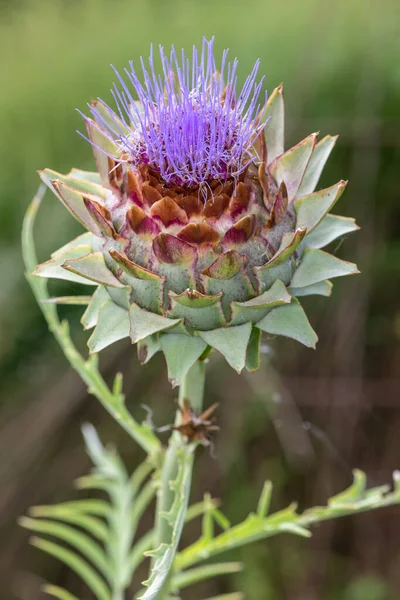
x=92 y=267
x=112 y=325
x=88 y=575
x=231 y=342
x=323 y=288
x=316 y=164
x=181 y=352
x=290 y=166
x=317 y=265
x=165 y=554
x=290 y=321
x=90 y=316
x=144 y=323
x=312 y=209
x=275 y=128
x=329 y=229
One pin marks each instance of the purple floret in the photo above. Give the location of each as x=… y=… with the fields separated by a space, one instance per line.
x=188 y=124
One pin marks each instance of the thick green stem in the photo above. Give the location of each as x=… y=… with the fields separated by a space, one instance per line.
x=192 y=389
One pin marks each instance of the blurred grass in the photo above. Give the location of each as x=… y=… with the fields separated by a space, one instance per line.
x=339 y=62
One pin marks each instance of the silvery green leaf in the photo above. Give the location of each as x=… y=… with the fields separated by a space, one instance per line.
x=290 y=166
x=316 y=164
x=231 y=342
x=112 y=325
x=290 y=321
x=312 y=209
x=144 y=323
x=181 y=352
x=256 y=308
x=322 y=288
x=90 y=316
x=93 y=268
x=317 y=266
x=275 y=128
x=329 y=229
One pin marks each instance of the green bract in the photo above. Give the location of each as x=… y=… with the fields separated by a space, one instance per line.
x=185 y=270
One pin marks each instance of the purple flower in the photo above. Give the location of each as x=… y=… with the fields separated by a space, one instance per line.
x=190 y=125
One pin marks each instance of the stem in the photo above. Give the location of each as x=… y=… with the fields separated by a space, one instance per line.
x=192 y=389
x=113 y=401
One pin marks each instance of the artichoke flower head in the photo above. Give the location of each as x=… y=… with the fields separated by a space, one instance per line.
x=202 y=231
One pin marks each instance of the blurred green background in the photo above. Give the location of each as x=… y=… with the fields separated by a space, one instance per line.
x=327 y=411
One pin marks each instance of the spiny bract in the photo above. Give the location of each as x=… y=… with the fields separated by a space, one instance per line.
x=202 y=231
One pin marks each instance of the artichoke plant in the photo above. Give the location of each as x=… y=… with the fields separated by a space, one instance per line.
x=202 y=230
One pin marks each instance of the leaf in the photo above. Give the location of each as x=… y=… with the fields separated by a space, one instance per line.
x=316 y=164
x=52 y=269
x=75 y=538
x=112 y=325
x=83 y=181
x=317 y=266
x=312 y=209
x=290 y=321
x=329 y=229
x=290 y=166
x=165 y=554
x=144 y=323
x=231 y=342
x=93 y=268
x=147 y=348
x=257 y=526
x=289 y=243
x=322 y=288
x=58 y=592
x=275 y=128
x=73 y=200
x=91 y=314
x=94 y=582
x=181 y=352
x=192 y=576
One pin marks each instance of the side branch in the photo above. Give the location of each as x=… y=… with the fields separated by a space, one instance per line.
x=112 y=400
